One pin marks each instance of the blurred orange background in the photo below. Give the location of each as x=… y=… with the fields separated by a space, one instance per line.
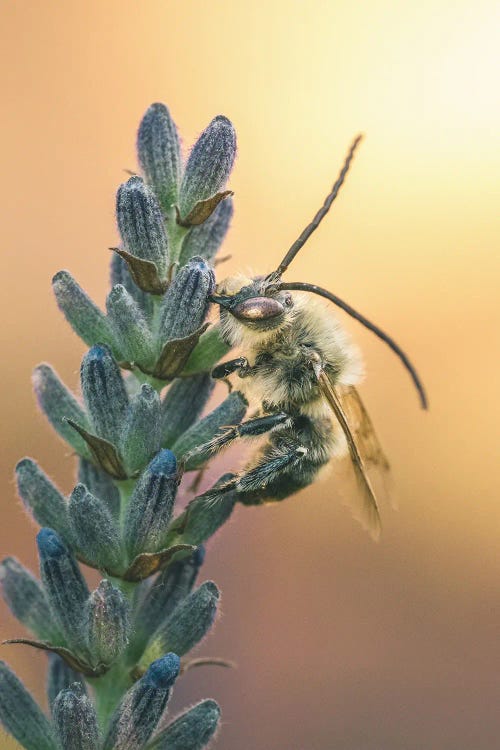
x=341 y=643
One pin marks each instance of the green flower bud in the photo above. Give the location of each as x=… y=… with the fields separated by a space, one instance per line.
x=41 y=497
x=150 y=507
x=186 y=301
x=106 y=623
x=26 y=599
x=21 y=716
x=141 y=224
x=104 y=392
x=100 y=485
x=75 y=720
x=158 y=149
x=131 y=327
x=85 y=318
x=94 y=530
x=59 y=404
x=121 y=275
x=141 y=436
x=59 y=677
x=184 y=401
x=187 y=625
x=193 y=729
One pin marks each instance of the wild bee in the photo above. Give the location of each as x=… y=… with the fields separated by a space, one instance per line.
x=301 y=368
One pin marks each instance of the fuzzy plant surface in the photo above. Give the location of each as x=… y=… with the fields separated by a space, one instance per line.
x=115 y=653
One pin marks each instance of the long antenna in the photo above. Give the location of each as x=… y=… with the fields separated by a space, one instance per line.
x=303 y=286
x=300 y=241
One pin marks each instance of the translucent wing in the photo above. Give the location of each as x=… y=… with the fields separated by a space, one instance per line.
x=366 y=510
x=362 y=426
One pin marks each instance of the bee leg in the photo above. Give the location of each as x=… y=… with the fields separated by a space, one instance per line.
x=227 y=368
x=250 y=428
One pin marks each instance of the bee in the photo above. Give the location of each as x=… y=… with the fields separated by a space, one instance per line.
x=302 y=369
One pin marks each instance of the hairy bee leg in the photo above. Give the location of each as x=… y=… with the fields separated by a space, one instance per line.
x=250 y=428
x=225 y=369
x=268 y=469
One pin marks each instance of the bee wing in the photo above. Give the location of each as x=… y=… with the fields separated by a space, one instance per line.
x=366 y=511
x=362 y=426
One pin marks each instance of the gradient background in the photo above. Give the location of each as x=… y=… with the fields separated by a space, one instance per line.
x=341 y=643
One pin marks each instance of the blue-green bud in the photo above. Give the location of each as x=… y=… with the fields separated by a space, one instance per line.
x=209 y=165
x=169 y=588
x=230 y=412
x=187 y=624
x=64 y=584
x=183 y=403
x=104 y=393
x=26 y=598
x=137 y=717
x=101 y=485
x=141 y=436
x=159 y=154
x=59 y=404
x=150 y=508
x=193 y=729
x=41 y=497
x=75 y=720
x=141 y=223
x=186 y=301
x=21 y=716
x=107 y=624
x=60 y=676
x=94 y=530
x=121 y=275
x=85 y=318
x=202 y=517
x=131 y=327
x=205 y=239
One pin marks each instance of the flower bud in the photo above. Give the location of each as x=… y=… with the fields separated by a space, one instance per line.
x=64 y=584
x=187 y=624
x=59 y=677
x=21 y=716
x=103 y=392
x=202 y=517
x=94 y=530
x=205 y=239
x=85 y=318
x=193 y=729
x=75 y=720
x=150 y=507
x=58 y=404
x=131 y=327
x=41 y=497
x=141 y=433
x=184 y=401
x=136 y=718
x=106 y=623
x=230 y=412
x=121 y=275
x=209 y=164
x=26 y=599
x=159 y=155
x=141 y=224
x=186 y=302
x=169 y=588
x=100 y=485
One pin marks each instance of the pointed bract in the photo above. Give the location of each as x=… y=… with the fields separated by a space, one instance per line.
x=204 y=240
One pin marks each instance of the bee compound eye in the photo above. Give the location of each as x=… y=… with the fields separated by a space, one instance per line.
x=258 y=308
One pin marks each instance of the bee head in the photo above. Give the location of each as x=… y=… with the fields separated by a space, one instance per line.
x=254 y=303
